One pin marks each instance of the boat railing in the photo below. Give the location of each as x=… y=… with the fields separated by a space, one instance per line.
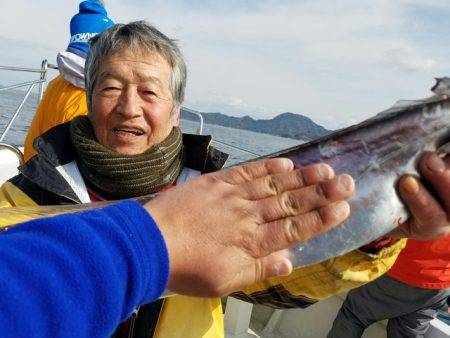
x=200 y=117
x=14 y=149
x=45 y=66
x=200 y=131
x=30 y=84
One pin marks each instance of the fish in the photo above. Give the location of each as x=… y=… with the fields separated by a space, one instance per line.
x=375 y=152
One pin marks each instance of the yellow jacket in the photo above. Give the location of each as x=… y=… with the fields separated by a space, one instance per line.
x=61 y=102
x=187 y=317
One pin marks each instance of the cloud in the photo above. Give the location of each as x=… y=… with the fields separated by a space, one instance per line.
x=335 y=62
x=409 y=61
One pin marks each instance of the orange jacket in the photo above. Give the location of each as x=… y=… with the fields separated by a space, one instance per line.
x=424 y=264
x=61 y=103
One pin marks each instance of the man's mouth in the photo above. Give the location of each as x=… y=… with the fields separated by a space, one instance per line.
x=128 y=131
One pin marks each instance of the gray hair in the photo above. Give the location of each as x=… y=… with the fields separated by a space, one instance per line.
x=137 y=36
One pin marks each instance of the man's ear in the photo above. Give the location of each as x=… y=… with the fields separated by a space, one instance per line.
x=176 y=118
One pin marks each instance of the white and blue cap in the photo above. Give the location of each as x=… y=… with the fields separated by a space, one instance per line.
x=91 y=20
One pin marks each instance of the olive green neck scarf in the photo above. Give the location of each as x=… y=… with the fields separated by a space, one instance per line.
x=121 y=175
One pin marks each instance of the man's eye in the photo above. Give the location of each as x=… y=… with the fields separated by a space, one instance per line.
x=109 y=89
x=149 y=92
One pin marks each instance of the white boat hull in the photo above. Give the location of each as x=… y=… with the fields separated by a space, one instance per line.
x=8 y=164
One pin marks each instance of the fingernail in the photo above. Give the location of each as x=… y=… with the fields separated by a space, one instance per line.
x=277 y=268
x=435 y=164
x=344 y=183
x=341 y=209
x=283 y=268
x=410 y=185
x=324 y=172
x=287 y=163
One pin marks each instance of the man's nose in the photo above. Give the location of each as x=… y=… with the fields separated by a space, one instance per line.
x=129 y=105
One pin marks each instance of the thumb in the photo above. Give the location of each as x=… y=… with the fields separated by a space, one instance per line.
x=274 y=265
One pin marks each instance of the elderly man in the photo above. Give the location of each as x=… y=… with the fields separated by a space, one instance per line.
x=130 y=145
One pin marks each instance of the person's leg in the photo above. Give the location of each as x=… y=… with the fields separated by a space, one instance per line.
x=383 y=298
x=365 y=305
x=416 y=323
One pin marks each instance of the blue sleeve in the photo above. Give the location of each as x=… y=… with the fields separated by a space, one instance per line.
x=80 y=275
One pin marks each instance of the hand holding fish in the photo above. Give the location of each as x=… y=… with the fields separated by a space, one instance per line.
x=430 y=215
x=239 y=234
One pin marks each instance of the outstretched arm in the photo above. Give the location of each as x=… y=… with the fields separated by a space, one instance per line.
x=83 y=274
x=79 y=275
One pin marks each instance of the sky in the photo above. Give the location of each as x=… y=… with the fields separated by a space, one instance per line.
x=337 y=62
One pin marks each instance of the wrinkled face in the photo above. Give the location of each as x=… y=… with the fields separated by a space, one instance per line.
x=132 y=102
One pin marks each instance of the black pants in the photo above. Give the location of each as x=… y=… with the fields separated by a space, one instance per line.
x=408 y=308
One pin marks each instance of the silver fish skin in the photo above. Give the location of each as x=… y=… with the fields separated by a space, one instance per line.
x=376 y=153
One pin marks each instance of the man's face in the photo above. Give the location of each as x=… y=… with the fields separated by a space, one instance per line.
x=132 y=102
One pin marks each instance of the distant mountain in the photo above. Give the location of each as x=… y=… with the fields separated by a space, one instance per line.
x=290 y=125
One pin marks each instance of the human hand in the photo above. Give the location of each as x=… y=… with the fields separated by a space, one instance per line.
x=430 y=215
x=230 y=229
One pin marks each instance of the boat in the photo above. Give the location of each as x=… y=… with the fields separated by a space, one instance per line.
x=242 y=320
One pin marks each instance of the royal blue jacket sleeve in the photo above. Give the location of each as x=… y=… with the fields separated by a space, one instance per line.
x=80 y=275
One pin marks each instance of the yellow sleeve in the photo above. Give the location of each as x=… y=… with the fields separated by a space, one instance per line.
x=190 y=317
x=310 y=284
x=11 y=196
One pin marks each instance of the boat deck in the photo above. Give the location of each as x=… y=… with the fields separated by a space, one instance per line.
x=242 y=320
